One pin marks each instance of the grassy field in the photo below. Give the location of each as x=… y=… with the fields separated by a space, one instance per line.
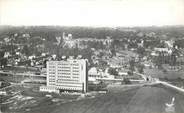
x=119 y=99
x=141 y=100
x=168 y=75
x=28 y=97
x=147 y=99
x=11 y=78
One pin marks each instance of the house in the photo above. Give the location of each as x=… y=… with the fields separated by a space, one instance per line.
x=161 y=49
x=68 y=41
x=123 y=72
x=169 y=43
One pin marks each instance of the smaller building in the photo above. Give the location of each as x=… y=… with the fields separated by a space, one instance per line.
x=93 y=74
x=161 y=49
x=49 y=89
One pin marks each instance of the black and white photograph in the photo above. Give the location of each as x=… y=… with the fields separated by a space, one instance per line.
x=91 y=56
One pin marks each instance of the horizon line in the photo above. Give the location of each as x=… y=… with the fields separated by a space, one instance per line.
x=179 y=25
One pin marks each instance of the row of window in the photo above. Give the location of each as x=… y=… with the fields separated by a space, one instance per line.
x=67 y=80
x=64 y=77
x=75 y=67
x=51 y=66
x=68 y=76
x=68 y=68
x=51 y=83
x=75 y=70
x=52 y=73
x=52 y=79
x=69 y=86
x=94 y=76
x=65 y=64
x=68 y=71
x=64 y=73
x=64 y=67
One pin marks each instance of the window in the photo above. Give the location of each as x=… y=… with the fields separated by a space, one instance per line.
x=75 y=70
x=52 y=73
x=51 y=66
x=63 y=76
x=75 y=67
x=65 y=73
x=76 y=64
x=65 y=70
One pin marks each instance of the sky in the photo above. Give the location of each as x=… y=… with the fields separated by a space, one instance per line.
x=92 y=12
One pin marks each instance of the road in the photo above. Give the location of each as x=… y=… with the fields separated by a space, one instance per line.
x=12 y=85
x=21 y=74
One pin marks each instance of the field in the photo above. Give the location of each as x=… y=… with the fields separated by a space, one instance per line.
x=148 y=99
x=142 y=99
x=27 y=97
x=156 y=73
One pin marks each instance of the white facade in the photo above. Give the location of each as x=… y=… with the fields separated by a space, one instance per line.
x=161 y=49
x=67 y=75
x=48 y=89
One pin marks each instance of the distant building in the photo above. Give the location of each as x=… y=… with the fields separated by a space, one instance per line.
x=68 y=41
x=161 y=49
x=170 y=43
x=66 y=75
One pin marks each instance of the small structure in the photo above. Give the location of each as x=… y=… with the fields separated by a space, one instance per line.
x=170 y=106
x=49 y=89
x=93 y=74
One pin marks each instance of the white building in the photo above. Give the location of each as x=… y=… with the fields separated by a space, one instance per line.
x=161 y=49
x=66 y=75
x=93 y=74
x=69 y=41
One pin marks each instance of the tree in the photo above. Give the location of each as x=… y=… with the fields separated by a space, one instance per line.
x=140 y=68
x=132 y=65
x=140 y=51
x=113 y=52
x=126 y=81
x=45 y=63
x=26 y=51
x=3 y=62
x=173 y=60
x=112 y=71
x=2 y=54
x=159 y=60
x=130 y=73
